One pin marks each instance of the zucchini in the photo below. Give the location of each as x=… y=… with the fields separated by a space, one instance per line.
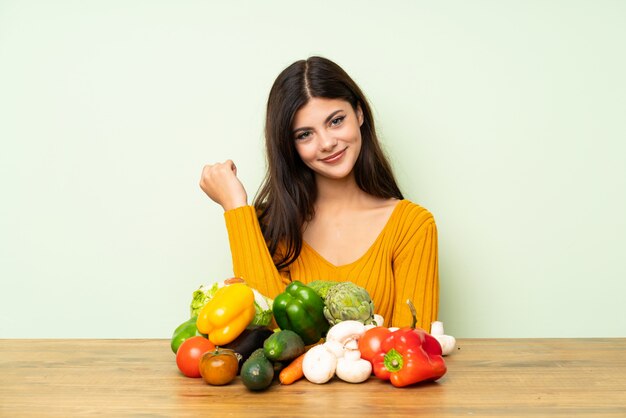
x=257 y=372
x=284 y=345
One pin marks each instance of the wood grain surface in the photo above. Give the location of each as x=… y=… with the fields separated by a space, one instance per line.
x=486 y=377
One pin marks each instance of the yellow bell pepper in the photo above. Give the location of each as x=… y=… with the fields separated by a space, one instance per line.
x=227 y=314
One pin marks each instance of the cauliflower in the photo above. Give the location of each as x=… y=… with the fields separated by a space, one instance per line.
x=347 y=301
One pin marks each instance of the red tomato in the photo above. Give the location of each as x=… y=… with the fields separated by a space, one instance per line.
x=189 y=354
x=369 y=343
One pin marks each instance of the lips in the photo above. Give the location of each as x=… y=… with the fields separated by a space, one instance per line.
x=335 y=157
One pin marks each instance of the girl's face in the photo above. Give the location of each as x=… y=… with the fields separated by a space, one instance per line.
x=327 y=136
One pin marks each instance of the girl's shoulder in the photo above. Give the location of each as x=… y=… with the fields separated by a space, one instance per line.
x=411 y=214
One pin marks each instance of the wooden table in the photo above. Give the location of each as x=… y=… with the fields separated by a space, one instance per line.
x=486 y=377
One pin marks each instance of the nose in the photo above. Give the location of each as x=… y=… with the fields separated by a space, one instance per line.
x=327 y=141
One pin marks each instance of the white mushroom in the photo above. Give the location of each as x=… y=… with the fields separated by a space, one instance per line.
x=345 y=331
x=319 y=364
x=353 y=371
x=334 y=347
x=447 y=342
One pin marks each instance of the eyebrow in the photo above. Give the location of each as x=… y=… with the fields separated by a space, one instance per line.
x=332 y=115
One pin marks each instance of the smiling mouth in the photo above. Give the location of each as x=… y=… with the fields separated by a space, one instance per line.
x=334 y=157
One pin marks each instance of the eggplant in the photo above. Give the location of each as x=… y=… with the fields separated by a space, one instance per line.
x=248 y=341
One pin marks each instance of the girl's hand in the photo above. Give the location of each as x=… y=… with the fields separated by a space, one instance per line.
x=219 y=181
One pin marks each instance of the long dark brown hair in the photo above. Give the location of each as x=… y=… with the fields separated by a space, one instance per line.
x=286 y=198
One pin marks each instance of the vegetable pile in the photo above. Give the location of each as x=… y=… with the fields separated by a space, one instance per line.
x=315 y=331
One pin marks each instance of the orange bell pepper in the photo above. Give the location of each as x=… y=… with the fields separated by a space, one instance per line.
x=227 y=314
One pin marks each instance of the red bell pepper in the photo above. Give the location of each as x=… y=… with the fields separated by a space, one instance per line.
x=409 y=355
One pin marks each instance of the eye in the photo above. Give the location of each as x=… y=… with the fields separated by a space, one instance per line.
x=303 y=135
x=337 y=121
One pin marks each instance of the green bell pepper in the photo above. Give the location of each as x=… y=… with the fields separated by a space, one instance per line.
x=184 y=331
x=301 y=310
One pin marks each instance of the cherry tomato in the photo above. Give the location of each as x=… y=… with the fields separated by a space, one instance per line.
x=189 y=354
x=369 y=343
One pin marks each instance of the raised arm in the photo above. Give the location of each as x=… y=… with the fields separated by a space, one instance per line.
x=416 y=271
x=251 y=258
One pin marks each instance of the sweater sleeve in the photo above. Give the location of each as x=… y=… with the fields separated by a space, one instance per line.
x=251 y=258
x=416 y=273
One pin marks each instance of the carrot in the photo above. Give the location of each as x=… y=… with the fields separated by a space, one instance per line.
x=293 y=372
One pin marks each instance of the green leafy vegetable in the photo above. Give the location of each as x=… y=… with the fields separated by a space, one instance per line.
x=201 y=296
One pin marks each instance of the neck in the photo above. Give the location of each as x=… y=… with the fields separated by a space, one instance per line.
x=337 y=192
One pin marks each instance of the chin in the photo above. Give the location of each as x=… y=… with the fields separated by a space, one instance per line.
x=334 y=175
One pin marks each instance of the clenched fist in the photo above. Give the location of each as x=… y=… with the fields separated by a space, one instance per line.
x=219 y=181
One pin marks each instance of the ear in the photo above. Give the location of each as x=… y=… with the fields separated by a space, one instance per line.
x=359 y=114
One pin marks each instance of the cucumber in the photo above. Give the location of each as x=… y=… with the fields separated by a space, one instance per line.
x=257 y=372
x=284 y=345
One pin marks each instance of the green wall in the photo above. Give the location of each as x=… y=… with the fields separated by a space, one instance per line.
x=505 y=119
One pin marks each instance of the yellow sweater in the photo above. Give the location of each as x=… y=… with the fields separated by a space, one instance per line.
x=401 y=264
